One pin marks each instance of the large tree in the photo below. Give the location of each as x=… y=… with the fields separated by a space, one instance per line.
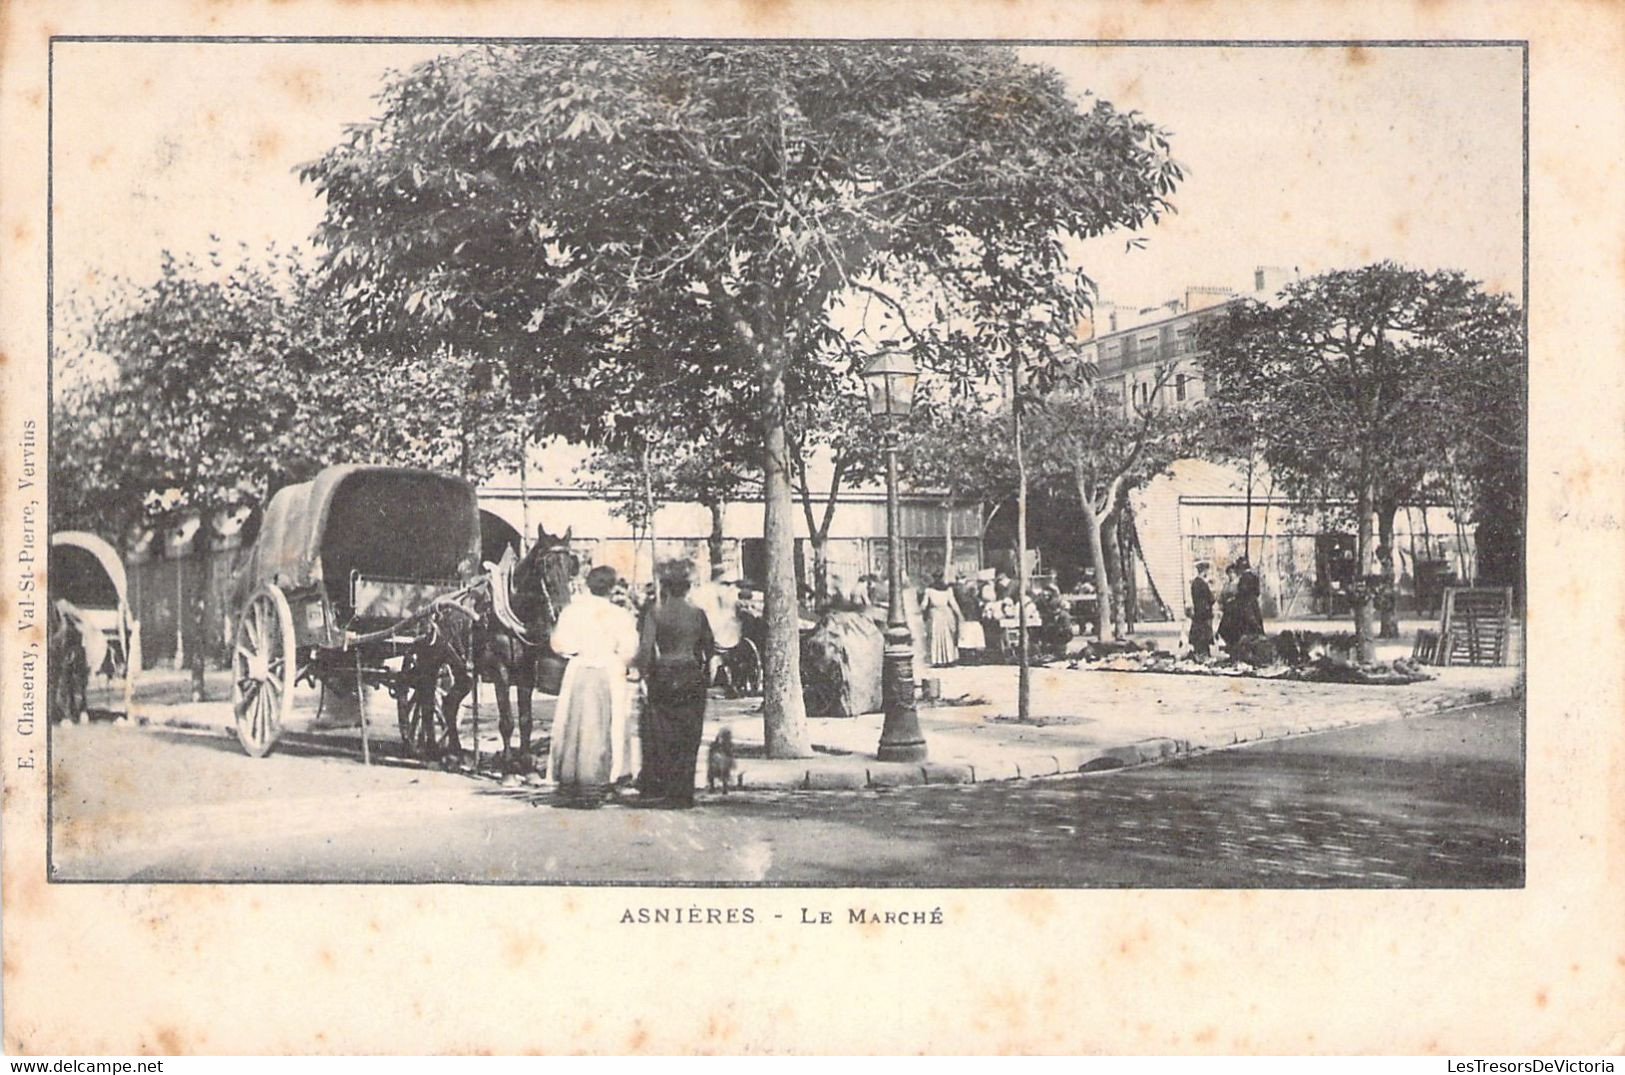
x=1358 y=385
x=595 y=212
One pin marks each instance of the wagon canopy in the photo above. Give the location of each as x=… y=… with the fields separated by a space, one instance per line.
x=383 y=522
x=87 y=572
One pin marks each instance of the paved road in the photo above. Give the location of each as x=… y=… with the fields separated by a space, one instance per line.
x=1435 y=801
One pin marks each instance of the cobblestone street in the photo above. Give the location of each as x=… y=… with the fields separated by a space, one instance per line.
x=1431 y=801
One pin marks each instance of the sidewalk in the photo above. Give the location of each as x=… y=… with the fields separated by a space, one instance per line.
x=1080 y=720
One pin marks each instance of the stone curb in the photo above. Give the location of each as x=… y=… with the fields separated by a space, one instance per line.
x=857 y=773
x=1102 y=759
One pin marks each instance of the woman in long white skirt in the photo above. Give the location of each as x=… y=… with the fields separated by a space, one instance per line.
x=942 y=623
x=591 y=740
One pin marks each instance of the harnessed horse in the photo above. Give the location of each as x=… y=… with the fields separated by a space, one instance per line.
x=501 y=635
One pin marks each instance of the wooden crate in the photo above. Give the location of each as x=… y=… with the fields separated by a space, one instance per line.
x=1477 y=625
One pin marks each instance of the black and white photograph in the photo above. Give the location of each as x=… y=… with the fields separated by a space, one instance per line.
x=878 y=464
x=819 y=527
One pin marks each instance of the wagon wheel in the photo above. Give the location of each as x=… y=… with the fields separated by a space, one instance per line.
x=263 y=668
x=420 y=712
x=745 y=678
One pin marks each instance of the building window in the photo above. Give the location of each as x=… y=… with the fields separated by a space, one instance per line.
x=1179 y=388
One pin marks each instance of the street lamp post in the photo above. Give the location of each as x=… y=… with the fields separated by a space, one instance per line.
x=891 y=378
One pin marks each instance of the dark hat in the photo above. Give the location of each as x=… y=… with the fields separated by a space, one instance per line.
x=674 y=571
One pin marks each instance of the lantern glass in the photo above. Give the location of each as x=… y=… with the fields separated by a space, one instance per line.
x=891 y=377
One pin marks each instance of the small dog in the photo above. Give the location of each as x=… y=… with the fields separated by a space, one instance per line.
x=719 y=762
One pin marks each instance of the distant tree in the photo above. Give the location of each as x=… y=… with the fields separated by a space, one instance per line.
x=224 y=379
x=588 y=210
x=706 y=466
x=190 y=394
x=833 y=430
x=1359 y=384
x=961 y=448
x=1103 y=445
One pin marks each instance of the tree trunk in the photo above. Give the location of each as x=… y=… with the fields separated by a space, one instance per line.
x=1023 y=674
x=1110 y=543
x=820 y=556
x=525 y=532
x=1127 y=543
x=199 y=653
x=1388 y=602
x=784 y=715
x=1097 y=559
x=713 y=542
x=180 y=614
x=948 y=539
x=1247 y=527
x=649 y=523
x=1363 y=634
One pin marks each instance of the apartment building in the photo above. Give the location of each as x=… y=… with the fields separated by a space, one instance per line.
x=1132 y=347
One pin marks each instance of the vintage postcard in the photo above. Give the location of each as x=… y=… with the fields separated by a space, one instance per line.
x=1031 y=528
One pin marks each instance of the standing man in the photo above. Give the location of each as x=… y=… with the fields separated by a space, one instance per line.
x=1202 y=612
x=674 y=651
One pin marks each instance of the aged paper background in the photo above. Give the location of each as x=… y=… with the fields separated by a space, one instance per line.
x=293 y=968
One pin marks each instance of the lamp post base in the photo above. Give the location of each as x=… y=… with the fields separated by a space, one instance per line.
x=900 y=738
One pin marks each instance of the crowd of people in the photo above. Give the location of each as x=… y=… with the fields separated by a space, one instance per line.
x=625 y=648
x=978 y=620
x=1238 y=601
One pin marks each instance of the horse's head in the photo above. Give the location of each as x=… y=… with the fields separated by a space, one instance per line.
x=541 y=581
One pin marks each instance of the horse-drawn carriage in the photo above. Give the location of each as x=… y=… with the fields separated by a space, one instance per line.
x=353 y=583
x=371 y=576
x=90 y=604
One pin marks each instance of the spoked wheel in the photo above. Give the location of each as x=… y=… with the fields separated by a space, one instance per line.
x=745 y=677
x=420 y=711
x=263 y=671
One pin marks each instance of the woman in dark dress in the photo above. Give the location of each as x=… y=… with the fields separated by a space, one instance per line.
x=674 y=650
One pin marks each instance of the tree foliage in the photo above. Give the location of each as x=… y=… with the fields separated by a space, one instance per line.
x=598 y=216
x=189 y=394
x=230 y=376
x=960 y=447
x=1359 y=386
x=706 y=464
